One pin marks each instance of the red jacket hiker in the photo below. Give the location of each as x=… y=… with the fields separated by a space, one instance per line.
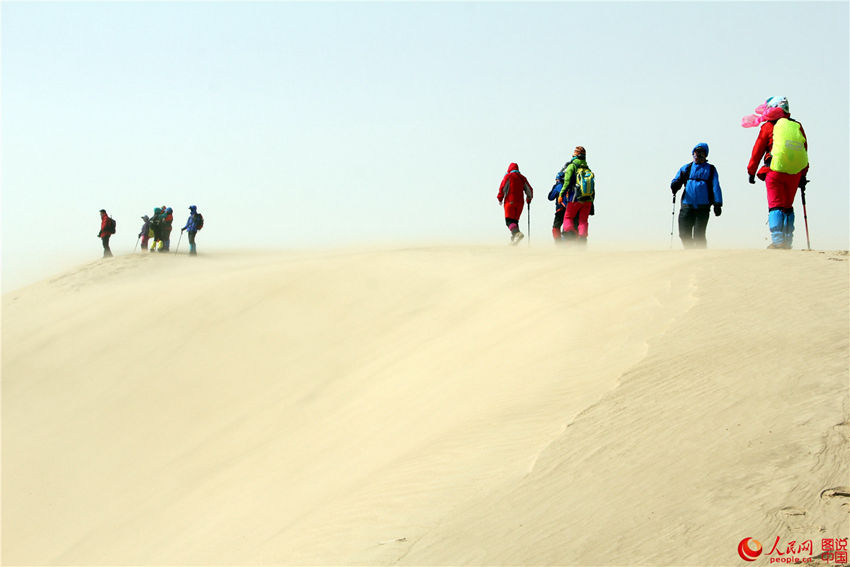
x=104 y=233
x=785 y=167
x=514 y=185
x=104 y=220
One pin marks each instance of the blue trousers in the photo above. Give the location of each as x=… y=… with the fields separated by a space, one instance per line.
x=781 y=223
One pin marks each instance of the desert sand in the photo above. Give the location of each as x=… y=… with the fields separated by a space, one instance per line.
x=446 y=405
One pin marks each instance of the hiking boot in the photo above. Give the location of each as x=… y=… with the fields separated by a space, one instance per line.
x=556 y=234
x=775 y=246
x=516 y=238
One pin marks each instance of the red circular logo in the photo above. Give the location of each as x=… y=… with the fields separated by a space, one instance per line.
x=749 y=549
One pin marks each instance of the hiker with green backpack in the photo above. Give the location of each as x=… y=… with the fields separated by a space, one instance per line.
x=783 y=144
x=578 y=193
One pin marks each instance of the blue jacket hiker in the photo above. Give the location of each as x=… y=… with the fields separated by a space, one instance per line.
x=560 y=208
x=702 y=193
x=194 y=223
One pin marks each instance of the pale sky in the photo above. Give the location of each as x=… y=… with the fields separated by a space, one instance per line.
x=301 y=124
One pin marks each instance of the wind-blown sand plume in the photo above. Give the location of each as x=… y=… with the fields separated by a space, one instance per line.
x=425 y=406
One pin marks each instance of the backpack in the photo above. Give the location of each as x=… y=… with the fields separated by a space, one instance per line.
x=788 y=153
x=110 y=225
x=585 y=184
x=556 y=190
x=199 y=221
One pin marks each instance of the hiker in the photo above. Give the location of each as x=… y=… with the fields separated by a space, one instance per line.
x=167 y=219
x=194 y=223
x=156 y=228
x=107 y=229
x=783 y=144
x=144 y=233
x=701 y=194
x=577 y=195
x=151 y=233
x=514 y=185
x=560 y=208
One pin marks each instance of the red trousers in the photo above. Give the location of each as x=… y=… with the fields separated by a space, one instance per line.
x=781 y=189
x=583 y=211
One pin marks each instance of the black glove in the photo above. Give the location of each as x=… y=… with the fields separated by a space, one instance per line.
x=717 y=209
x=752 y=179
x=182 y=229
x=592 y=209
x=675 y=186
x=803 y=182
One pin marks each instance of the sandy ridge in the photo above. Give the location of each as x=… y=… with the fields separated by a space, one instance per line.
x=425 y=406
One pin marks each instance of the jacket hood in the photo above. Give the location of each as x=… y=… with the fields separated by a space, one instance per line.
x=513 y=167
x=701 y=146
x=146 y=218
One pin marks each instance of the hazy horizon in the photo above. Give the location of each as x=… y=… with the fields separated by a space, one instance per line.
x=299 y=125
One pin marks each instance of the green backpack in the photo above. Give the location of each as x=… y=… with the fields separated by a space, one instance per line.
x=788 y=153
x=585 y=184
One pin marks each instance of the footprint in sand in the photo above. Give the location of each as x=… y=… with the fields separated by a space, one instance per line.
x=841 y=492
x=794 y=518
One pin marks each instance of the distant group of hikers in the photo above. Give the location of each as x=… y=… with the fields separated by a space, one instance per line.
x=155 y=230
x=781 y=143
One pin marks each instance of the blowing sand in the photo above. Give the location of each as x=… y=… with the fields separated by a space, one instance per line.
x=427 y=406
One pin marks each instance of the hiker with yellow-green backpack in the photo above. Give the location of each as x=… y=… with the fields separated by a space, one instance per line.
x=577 y=194
x=782 y=142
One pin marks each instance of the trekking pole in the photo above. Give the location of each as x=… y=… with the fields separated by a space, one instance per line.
x=528 y=220
x=672 y=221
x=176 y=250
x=805 y=217
x=137 y=242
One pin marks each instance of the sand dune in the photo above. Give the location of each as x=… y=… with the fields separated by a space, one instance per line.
x=426 y=406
